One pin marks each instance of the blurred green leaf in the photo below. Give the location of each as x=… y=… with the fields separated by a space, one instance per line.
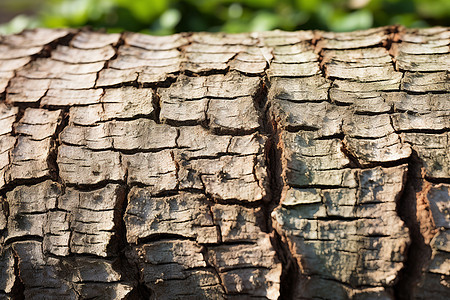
x=361 y=19
x=235 y=11
x=144 y=10
x=169 y=16
x=264 y=21
x=433 y=9
x=308 y=5
x=18 y=24
x=261 y=3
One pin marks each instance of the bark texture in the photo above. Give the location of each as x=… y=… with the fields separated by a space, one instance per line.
x=277 y=165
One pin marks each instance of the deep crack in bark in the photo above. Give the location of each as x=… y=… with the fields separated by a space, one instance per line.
x=55 y=143
x=130 y=272
x=273 y=153
x=418 y=254
x=18 y=289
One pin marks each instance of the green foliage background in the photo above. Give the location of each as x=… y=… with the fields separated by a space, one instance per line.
x=169 y=16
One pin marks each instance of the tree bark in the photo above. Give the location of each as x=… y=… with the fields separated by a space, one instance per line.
x=276 y=165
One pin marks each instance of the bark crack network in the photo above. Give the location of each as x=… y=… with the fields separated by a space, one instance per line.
x=178 y=210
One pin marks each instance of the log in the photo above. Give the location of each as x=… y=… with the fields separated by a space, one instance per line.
x=274 y=165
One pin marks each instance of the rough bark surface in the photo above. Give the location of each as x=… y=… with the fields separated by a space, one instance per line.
x=277 y=165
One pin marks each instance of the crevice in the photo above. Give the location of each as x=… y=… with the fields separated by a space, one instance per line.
x=140 y=292
x=260 y=102
x=297 y=128
x=23 y=238
x=18 y=289
x=214 y=268
x=370 y=113
x=11 y=185
x=119 y=246
x=120 y=150
x=273 y=156
x=168 y=81
x=120 y=119
x=216 y=156
x=290 y=274
x=156 y=102
x=336 y=218
x=157 y=237
x=249 y=267
x=297 y=101
x=120 y=42
x=55 y=143
x=385 y=164
x=160 y=194
x=322 y=64
x=339 y=136
x=119 y=240
x=436 y=180
x=206 y=122
x=176 y=123
x=243 y=203
x=238 y=242
x=62 y=41
x=115 y=46
x=213 y=217
x=418 y=253
x=23 y=106
x=177 y=167
x=74 y=255
x=232 y=131
x=320 y=186
x=5 y=211
x=94 y=186
x=425 y=130
x=133 y=83
x=354 y=162
x=206 y=72
x=369 y=138
x=408 y=92
x=19 y=116
x=391 y=45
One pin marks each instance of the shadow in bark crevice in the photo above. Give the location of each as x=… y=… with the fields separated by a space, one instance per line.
x=418 y=254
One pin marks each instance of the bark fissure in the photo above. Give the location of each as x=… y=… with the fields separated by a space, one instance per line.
x=130 y=272
x=18 y=289
x=418 y=253
x=214 y=268
x=55 y=144
x=273 y=149
x=156 y=106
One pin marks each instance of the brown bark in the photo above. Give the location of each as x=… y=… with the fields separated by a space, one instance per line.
x=277 y=165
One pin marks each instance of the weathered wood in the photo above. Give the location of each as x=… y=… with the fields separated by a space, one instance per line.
x=276 y=165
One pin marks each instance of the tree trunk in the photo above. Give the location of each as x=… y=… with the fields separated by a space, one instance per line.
x=277 y=165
